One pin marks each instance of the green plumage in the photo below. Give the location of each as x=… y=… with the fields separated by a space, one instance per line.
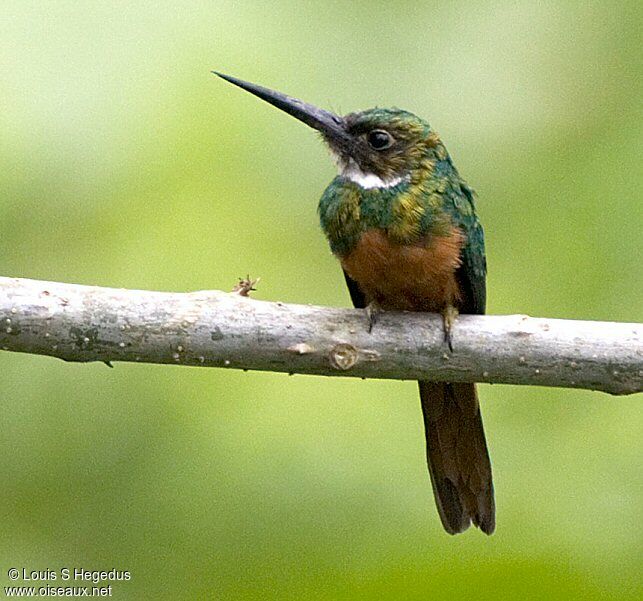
x=430 y=198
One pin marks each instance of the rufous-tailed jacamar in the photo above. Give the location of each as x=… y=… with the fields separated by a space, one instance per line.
x=402 y=223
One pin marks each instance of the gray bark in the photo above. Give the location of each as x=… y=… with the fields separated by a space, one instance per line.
x=219 y=329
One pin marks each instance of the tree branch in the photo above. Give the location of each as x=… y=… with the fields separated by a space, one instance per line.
x=219 y=329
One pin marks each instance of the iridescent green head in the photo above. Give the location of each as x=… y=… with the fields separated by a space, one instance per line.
x=375 y=148
x=391 y=144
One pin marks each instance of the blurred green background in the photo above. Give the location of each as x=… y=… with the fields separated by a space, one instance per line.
x=124 y=163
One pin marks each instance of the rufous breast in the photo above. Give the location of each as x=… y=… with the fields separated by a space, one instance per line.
x=417 y=277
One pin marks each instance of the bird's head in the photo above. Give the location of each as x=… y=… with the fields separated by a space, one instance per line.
x=376 y=148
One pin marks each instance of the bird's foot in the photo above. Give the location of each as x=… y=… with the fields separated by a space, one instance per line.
x=449 y=316
x=373 y=311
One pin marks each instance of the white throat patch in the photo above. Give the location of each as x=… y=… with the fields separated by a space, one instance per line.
x=367 y=181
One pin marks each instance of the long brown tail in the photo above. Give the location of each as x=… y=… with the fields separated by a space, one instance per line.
x=457 y=455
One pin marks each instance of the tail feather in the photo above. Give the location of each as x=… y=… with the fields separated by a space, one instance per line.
x=457 y=456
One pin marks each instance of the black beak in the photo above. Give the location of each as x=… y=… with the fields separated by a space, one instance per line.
x=330 y=125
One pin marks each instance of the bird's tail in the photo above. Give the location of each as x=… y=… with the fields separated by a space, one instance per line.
x=457 y=456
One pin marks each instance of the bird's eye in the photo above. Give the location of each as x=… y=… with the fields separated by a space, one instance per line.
x=379 y=139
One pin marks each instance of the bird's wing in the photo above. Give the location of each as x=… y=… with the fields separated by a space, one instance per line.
x=357 y=296
x=472 y=272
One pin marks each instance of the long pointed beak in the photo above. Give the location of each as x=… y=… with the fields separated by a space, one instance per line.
x=331 y=125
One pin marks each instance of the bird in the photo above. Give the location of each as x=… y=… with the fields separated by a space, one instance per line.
x=403 y=224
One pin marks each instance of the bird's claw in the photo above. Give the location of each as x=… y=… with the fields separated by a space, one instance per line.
x=372 y=313
x=449 y=316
